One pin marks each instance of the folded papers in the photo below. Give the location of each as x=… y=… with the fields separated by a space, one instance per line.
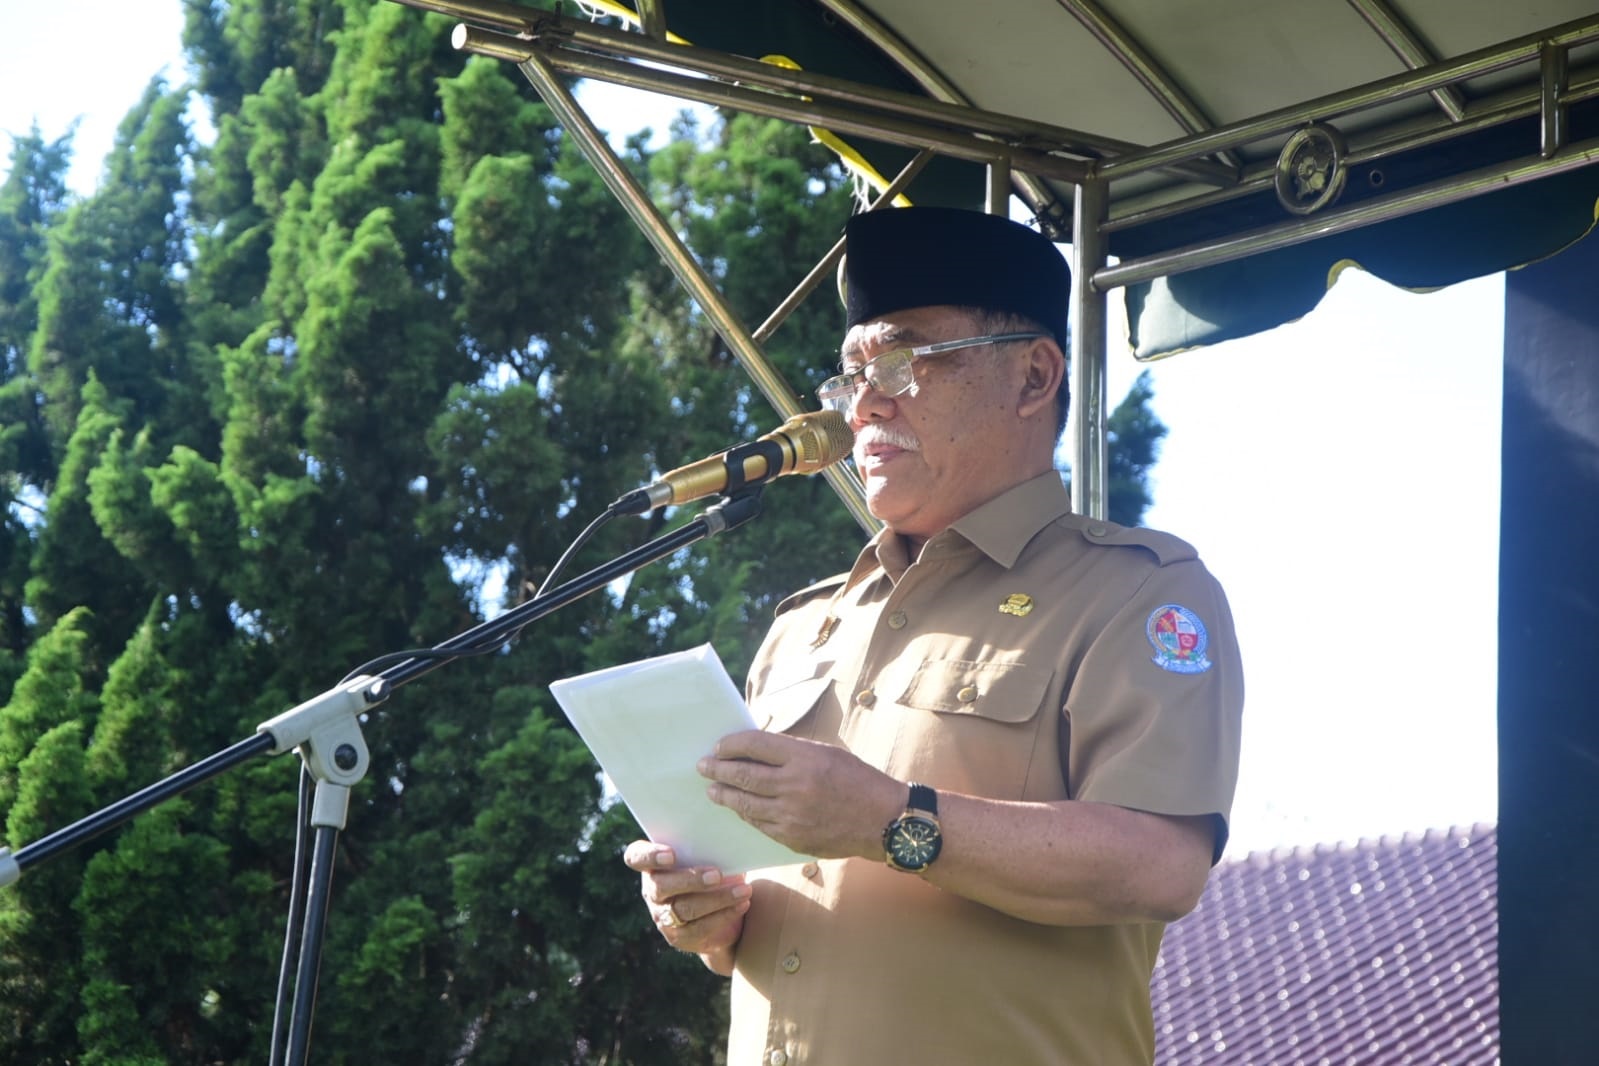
x=648 y=723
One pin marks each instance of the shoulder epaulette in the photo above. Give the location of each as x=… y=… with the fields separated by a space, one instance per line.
x=825 y=586
x=1165 y=547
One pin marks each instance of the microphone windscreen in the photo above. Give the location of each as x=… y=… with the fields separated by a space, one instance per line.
x=822 y=440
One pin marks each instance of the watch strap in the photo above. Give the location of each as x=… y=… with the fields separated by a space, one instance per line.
x=922 y=798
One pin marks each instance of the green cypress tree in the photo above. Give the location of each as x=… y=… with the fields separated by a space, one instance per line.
x=43 y=785
x=1133 y=437
x=32 y=198
x=340 y=383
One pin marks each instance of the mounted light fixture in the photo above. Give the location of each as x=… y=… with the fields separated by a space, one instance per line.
x=1310 y=171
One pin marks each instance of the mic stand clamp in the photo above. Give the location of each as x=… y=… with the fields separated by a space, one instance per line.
x=733 y=509
x=326 y=730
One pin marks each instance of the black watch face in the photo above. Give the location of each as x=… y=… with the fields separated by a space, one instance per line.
x=914 y=842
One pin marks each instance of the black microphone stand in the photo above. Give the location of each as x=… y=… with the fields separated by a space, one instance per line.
x=327 y=733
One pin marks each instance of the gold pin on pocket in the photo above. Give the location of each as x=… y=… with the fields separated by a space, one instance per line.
x=1017 y=603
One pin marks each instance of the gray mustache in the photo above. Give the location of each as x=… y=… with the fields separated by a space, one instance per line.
x=893 y=436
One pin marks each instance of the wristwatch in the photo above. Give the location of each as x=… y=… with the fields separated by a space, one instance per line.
x=912 y=841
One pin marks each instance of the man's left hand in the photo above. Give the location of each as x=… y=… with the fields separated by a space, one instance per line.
x=816 y=798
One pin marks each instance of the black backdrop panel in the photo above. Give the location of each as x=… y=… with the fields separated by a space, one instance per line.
x=1549 y=665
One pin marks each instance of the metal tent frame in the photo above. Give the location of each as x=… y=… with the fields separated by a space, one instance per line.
x=1074 y=181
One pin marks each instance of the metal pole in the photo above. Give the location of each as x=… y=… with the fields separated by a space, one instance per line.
x=1552 y=75
x=683 y=265
x=997 y=198
x=1149 y=73
x=1401 y=36
x=810 y=110
x=577 y=47
x=1090 y=492
x=829 y=262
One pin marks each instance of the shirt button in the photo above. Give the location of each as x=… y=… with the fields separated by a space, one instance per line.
x=967 y=694
x=865 y=697
x=897 y=620
x=1097 y=531
x=778 y=1057
x=810 y=870
x=791 y=962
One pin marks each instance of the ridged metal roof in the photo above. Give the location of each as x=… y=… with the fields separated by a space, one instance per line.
x=1381 y=952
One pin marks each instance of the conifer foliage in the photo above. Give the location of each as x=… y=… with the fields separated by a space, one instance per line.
x=338 y=382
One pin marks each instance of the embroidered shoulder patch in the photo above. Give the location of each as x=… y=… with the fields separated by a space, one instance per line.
x=1179 y=639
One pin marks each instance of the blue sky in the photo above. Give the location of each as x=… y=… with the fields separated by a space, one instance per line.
x=1339 y=474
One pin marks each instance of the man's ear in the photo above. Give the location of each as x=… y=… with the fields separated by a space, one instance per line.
x=1045 y=365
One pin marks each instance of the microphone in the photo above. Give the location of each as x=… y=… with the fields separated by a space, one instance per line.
x=803 y=445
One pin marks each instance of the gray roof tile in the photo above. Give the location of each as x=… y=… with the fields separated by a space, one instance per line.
x=1379 y=953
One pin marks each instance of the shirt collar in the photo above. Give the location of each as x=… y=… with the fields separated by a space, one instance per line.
x=1000 y=528
x=1003 y=526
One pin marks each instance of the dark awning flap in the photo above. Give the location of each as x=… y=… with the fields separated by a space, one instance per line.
x=1498 y=231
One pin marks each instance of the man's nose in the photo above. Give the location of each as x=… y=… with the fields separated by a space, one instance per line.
x=869 y=405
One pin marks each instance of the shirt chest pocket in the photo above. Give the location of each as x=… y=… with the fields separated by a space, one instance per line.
x=979 y=729
x=1000 y=692
x=778 y=710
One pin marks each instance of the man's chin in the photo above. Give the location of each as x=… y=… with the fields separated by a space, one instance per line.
x=888 y=502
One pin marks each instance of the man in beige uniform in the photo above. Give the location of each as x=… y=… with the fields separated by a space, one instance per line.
x=1009 y=733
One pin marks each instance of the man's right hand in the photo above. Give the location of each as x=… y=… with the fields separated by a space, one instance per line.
x=696 y=908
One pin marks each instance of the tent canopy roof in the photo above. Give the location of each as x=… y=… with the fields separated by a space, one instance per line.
x=1230 y=155
x=1426 y=103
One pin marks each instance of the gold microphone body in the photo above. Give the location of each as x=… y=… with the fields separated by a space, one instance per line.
x=804 y=444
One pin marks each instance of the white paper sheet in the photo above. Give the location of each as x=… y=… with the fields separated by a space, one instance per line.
x=648 y=723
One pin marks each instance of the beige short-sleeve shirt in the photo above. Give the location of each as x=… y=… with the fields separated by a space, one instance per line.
x=1026 y=654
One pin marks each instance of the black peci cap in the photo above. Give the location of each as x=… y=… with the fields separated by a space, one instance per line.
x=905 y=257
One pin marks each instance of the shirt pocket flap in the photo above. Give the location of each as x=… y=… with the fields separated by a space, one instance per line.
x=1002 y=692
x=777 y=709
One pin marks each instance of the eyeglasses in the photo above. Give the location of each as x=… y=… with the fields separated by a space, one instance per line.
x=891 y=373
